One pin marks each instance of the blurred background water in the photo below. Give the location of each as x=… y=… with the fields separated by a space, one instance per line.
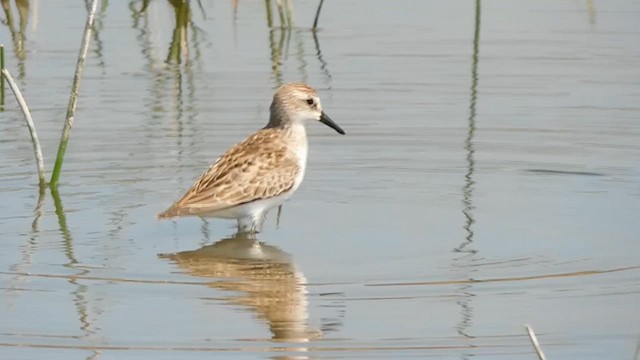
x=490 y=177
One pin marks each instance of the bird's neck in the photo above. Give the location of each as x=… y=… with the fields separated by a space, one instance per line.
x=279 y=116
x=297 y=142
x=297 y=132
x=298 y=146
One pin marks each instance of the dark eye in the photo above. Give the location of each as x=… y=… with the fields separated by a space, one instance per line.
x=310 y=101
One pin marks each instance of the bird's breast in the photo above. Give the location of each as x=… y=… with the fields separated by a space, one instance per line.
x=299 y=149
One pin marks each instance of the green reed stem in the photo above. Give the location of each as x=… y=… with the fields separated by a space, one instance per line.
x=269 y=13
x=32 y=128
x=71 y=109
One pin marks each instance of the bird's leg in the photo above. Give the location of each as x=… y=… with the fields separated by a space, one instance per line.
x=251 y=224
x=278 y=217
x=256 y=244
x=246 y=225
x=260 y=220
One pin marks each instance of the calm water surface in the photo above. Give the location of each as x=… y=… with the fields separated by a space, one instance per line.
x=490 y=177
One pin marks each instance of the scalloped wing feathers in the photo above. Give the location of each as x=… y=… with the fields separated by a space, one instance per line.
x=260 y=167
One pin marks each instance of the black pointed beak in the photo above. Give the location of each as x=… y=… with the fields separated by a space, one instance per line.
x=327 y=121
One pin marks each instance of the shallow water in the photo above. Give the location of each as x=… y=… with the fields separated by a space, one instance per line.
x=490 y=177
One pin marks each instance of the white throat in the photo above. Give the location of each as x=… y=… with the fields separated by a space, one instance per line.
x=299 y=146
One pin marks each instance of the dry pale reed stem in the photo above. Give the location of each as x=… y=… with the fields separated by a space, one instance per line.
x=282 y=14
x=534 y=341
x=71 y=109
x=32 y=128
x=289 y=9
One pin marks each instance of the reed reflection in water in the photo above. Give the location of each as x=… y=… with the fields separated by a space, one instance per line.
x=466 y=252
x=18 y=31
x=264 y=275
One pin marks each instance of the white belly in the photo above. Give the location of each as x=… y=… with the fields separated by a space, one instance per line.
x=254 y=208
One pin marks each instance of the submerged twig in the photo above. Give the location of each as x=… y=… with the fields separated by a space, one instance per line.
x=32 y=128
x=315 y=21
x=534 y=341
x=71 y=109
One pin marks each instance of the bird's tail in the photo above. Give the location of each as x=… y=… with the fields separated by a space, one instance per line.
x=168 y=214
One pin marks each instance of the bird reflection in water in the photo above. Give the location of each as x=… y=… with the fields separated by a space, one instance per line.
x=264 y=276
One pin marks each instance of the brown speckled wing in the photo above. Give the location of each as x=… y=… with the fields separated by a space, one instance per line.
x=259 y=167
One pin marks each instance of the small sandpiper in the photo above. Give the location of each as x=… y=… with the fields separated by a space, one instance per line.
x=262 y=171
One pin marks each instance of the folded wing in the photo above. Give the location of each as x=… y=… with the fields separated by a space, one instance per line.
x=252 y=170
